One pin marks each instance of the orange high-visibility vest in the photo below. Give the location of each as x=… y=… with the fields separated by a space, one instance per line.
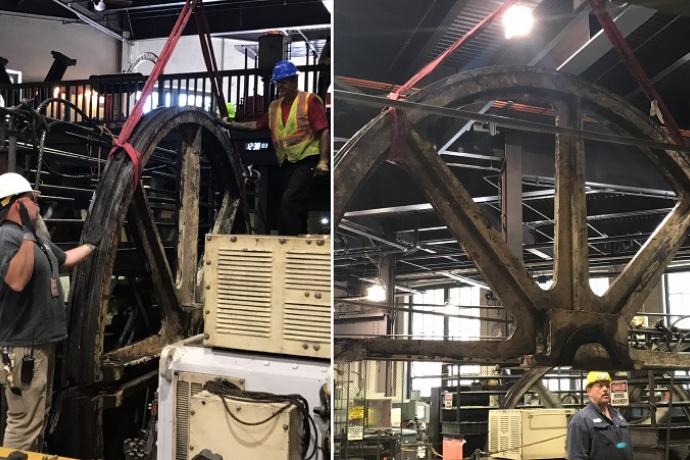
x=294 y=140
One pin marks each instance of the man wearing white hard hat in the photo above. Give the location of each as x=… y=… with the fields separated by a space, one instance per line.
x=32 y=311
x=599 y=431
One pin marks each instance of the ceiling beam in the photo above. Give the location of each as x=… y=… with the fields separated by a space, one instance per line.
x=663 y=74
x=227 y=17
x=627 y=22
x=83 y=15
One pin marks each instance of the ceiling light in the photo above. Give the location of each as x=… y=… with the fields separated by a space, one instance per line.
x=376 y=293
x=466 y=280
x=99 y=6
x=518 y=21
x=539 y=253
x=324 y=221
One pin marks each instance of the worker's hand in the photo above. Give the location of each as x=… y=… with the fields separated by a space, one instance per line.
x=229 y=123
x=28 y=224
x=321 y=168
x=94 y=236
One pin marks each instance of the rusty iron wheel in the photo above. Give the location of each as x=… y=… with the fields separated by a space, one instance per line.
x=568 y=322
x=98 y=373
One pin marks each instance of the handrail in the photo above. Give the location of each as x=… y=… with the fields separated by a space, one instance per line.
x=119 y=78
x=110 y=99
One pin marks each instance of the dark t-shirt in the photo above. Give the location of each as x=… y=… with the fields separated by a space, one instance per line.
x=33 y=316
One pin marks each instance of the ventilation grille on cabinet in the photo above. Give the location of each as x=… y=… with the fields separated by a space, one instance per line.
x=244 y=293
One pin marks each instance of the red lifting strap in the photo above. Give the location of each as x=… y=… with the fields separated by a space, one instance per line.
x=210 y=58
x=399 y=120
x=630 y=60
x=122 y=141
x=430 y=67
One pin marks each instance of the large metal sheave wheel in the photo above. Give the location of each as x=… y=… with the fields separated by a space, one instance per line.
x=551 y=327
x=149 y=256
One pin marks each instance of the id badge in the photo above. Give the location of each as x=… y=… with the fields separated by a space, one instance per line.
x=54 y=289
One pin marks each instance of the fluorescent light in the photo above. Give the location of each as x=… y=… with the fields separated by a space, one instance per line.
x=539 y=253
x=376 y=293
x=466 y=280
x=517 y=21
x=409 y=290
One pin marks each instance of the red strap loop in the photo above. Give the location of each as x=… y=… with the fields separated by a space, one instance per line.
x=399 y=118
x=133 y=155
x=122 y=140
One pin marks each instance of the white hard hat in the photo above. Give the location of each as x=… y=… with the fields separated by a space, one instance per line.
x=12 y=184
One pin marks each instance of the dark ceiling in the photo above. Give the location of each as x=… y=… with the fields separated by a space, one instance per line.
x=394 y=39
x=146 y=19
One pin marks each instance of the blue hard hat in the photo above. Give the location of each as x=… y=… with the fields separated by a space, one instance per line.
x=284 y=69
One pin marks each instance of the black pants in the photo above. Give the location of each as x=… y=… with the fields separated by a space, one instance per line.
x=296 y=184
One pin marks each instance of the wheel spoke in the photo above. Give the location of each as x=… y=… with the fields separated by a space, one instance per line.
x=632 y=287
x=571 y=264
x=188 y=216
x=161 y=275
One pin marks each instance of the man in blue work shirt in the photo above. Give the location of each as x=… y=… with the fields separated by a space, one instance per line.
x=598 y=431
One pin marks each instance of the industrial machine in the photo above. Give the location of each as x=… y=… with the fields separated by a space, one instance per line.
x=268 y=294
x=279 y=438
x=192 y=418
x=528 y=433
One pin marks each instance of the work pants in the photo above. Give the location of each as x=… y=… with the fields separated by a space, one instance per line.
x=294 y=204
x=27 y=414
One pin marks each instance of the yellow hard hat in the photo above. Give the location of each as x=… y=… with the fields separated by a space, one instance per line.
x=598 y=376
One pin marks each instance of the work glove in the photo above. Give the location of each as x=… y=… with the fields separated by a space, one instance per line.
x=28 y=225
x=94 y=236
x=321 y=168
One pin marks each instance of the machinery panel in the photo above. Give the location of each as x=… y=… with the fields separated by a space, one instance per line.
x=236 y=437
x=280 y=375
x=186 y=386
x=268 y=293
x=528 y=433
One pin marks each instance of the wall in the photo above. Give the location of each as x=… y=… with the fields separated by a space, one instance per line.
x=187 y=56
x=27 y=43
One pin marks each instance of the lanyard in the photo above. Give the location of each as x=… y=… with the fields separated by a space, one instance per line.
x=45 y=251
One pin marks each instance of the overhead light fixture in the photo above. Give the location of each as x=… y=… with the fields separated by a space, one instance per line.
x=517 y=21
x=376 y=293
x=324 y=221
x=539 y=253
x=408 y=290
x=100 y=5
x=466 y=280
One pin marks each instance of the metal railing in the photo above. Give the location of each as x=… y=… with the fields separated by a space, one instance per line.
x=110 y=99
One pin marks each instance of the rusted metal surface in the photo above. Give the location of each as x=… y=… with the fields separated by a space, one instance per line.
x=188 y=222
x=552 y=327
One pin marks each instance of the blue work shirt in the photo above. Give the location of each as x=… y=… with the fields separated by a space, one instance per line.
x=593 y=436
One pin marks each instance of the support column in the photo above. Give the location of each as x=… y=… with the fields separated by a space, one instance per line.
x=388 y=368
x=511 y=195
